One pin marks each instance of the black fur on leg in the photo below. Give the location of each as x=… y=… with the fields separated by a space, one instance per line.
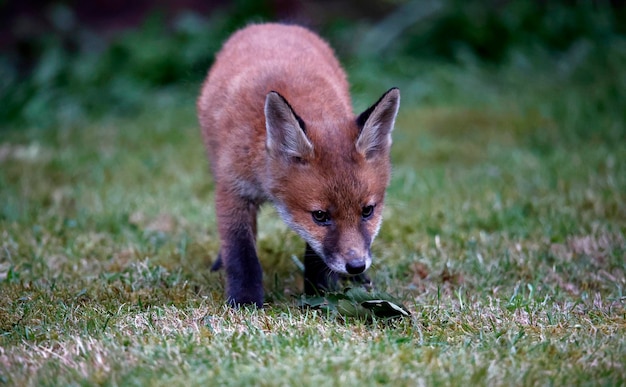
x=318 y=278
x=244 y=278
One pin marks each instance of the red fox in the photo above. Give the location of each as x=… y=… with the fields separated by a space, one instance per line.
x=278 y=126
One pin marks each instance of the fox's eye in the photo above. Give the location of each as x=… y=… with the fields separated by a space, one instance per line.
x=321 y=217
x=367 y=212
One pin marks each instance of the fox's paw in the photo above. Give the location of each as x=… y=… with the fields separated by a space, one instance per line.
x=245 y=296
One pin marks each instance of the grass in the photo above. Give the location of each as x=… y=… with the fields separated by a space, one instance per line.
x=504 y=235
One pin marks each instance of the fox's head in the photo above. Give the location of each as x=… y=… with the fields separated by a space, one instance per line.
x=328 y=179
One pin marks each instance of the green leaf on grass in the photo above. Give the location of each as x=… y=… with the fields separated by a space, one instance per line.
x=357 y=302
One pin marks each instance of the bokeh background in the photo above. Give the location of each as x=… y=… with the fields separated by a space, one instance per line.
x=63 y=62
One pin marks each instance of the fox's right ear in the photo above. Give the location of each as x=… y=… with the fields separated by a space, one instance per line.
x=285 y=130
x=376 y=124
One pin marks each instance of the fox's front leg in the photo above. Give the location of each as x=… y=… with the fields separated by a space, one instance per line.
x=236 y=218
x=318 y=278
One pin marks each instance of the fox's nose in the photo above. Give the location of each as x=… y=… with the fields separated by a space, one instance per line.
x=355 y=266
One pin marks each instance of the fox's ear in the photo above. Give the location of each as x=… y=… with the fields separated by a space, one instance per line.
x=286 y=135
x=376 y=124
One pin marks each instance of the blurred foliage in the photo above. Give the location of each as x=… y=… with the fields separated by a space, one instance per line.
x=78 y=74
x=67 y=85
x=163 y=63
x=491 y=29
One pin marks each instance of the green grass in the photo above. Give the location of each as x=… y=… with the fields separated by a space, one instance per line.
x=504 y=235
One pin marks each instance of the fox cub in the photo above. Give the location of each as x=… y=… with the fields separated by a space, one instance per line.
x=278 y=126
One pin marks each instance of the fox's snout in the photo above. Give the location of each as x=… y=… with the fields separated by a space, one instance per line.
x=351 y=263
x=356 y=265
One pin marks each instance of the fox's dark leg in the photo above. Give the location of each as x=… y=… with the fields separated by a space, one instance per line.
x=244 y=278
x=218 y=264
x=317 y=276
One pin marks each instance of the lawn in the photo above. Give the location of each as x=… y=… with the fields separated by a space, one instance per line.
x=504 y=235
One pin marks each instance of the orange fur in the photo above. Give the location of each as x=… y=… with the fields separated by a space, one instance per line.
x=259 y=152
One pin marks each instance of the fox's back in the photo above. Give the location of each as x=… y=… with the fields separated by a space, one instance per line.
x=262 y=58
x=290 y=58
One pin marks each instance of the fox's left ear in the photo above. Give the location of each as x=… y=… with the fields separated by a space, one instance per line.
x=376 y=124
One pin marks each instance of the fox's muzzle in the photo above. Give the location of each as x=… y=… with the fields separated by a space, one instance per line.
x=356 y=266
x=350 y=263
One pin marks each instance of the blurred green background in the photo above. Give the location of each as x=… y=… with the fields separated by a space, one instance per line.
x=70 y=62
